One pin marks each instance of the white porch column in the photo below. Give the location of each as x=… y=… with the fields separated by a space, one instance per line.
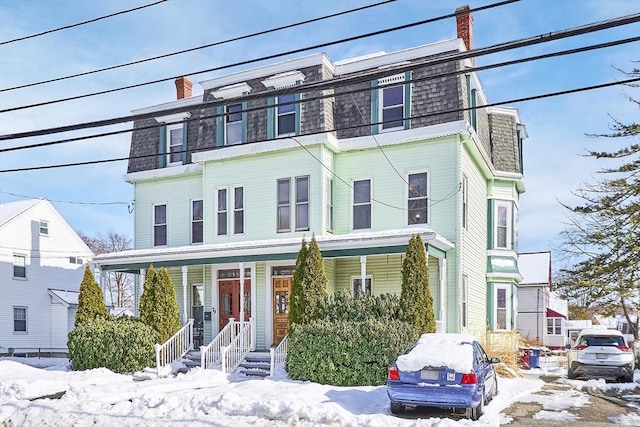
x=241 y=292
x=103 y=286
x=185 y=270
x=214 y=302
x=142 y=278
x=442 y=267
x=363 y=273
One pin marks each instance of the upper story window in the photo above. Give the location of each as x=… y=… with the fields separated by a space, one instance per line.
x=391 y=103
x=19 y=319
x=501 y=309
x=362 y=204
x=286 y=116
x=231 y=120
x=284 y=205
x=233 y=134
x=160 y=225
x=465 y=202
x=44 y=227
x=197 y=222
x=283 y=120
x=464 y=303
x=74 y=260
x=302 y=203
x=222 y=212
x=174 y=144
x=503 y=225
x=19 y=266
x=329 y=205
x=417 y=199
x=238 y=210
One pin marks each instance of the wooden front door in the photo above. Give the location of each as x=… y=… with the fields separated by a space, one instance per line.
x=229 y=298
x=281 y=292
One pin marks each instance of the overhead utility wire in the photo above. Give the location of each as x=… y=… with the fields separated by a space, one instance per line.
x=82 y=23
x=250 y=61
x=166 y=55
x=344 y=81
x=495 y=104
x=66 y=201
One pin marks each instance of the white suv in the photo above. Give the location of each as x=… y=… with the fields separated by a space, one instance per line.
x=600 y=353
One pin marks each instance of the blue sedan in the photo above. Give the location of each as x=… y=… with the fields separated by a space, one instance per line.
x=444 y=371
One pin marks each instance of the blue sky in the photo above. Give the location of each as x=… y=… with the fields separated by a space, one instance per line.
x=553 y=162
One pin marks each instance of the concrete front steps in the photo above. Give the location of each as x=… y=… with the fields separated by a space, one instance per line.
x=256 y=364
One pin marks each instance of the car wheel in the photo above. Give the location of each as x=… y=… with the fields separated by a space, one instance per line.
x=475 y=413
x=396 y=408
x=570 y=375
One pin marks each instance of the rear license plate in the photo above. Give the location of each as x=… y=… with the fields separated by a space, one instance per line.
x=429 y=374
x=601 y=355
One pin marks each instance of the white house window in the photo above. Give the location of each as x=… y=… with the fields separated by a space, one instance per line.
x=234 y=124
x=356 y=285
x=284 y=205
x=302 y=203
x=392 y=107
x=19 y=266
x=501 y=313
x=465 y=202
x=174 y=144
x=197 y=222
x=464 y=300
x=160 y=225
x=44 y=228
x=74 y=260
x=222 y=211
x=238 y=210
x=554 y=326
x=19 y=319
x=503 y=226
x=329 y=206
x=286 y=116
x=417 y=199
x=362 y=204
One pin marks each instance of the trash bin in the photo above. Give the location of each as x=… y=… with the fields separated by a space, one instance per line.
x=524 y=359
x=534 y=357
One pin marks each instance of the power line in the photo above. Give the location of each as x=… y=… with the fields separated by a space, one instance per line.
x=250 y=61
x=82 y=23
x=166 y=55
x=308 y=99
x=512 y=101
x=66 y=201
x=349 y=80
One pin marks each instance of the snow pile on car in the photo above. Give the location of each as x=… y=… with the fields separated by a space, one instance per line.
x=454 y=351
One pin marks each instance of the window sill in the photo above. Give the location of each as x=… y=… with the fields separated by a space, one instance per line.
x=23 y=279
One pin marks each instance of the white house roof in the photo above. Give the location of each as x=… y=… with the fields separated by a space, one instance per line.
x=535 y=268
x=10 y=210
x=65 y=297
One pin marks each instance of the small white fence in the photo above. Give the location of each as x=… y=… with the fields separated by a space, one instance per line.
x=232 y=355
x=278 y=355
x=175 y=347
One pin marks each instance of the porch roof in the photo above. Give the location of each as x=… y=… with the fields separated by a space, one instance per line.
x=332 y=246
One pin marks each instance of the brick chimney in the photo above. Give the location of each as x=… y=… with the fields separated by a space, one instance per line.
x=183 y=88
x=464 y=24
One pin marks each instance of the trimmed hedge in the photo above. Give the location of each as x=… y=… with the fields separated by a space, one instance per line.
x=122 y=345
x=345 y=352
x=342 y=306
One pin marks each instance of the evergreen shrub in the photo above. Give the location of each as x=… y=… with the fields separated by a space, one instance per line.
x=122 y=345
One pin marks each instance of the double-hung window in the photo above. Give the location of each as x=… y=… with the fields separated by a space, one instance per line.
x=284 y=205
x=233 y=124
x=417 y=199
x=391 y=107
x=329 y=205
x=174 y=144
x=501 y=312
x=465 y=202
x=302 y=203
x=503 y=225
x=222 y=212
x=19 y=266
x=160 y=225
x=362 y=204
x=554 y=326
x=238 y=210
x=19 y=319
x=44 y=228
x=464 y=300
x=356 y=286
x=197 y=222
x=286 y=116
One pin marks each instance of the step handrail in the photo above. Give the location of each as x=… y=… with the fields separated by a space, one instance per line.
x=175 y=347
x=210 y=354
x=278 y=355
x=232 y=355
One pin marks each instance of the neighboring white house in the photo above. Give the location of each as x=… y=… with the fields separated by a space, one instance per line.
x=542 y=314
x=41 y=266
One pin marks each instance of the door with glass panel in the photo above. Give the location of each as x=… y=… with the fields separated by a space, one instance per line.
x=229 y=296
x=281 y=292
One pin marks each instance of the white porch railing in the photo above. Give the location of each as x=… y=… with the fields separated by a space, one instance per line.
x=175 y=347
x=238 y=348
x=210 y=354
x=278 y=355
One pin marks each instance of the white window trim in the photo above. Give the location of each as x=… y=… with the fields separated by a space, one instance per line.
x=329 y=206
x=168 y=140
x=13 y=265
x=218 y=211
x=46 y=227
x=507 y=205
x=237 y=123
x=232 y=91
x=368 y=277
x=406 y=197
x=464 y=320
x=554 y=325
x=465 y=202
x=194 y=221
x=385 y=83
x=283 y=230
x=26 y=320
x=282 y=80
x=153 y=225
x=507 y=307
x=352 y=203
x=233 y=210
x=308 y=203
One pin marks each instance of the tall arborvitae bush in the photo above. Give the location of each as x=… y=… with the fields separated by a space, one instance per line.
x=295 y=297
x=91 y=299
x=416 y=301
x=314 y=284
x=158 y=305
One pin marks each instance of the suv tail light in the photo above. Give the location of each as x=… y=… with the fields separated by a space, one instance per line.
x=623 y=348
x=469 y=379
x=580 y=347
x=393 y=374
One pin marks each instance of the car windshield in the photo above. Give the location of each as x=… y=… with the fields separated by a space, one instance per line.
x=594 y=340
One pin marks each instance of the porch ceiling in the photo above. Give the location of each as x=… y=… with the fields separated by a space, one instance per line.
x=345 y=245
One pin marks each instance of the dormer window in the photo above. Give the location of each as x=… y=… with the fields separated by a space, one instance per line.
x=175 y=140
x=231 y=121
x=233 y=129
x=172 y=145
x=286 y=121
x=390 y=103
x=283 y=118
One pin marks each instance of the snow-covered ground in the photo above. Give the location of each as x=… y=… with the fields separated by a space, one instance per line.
x=208 y=397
